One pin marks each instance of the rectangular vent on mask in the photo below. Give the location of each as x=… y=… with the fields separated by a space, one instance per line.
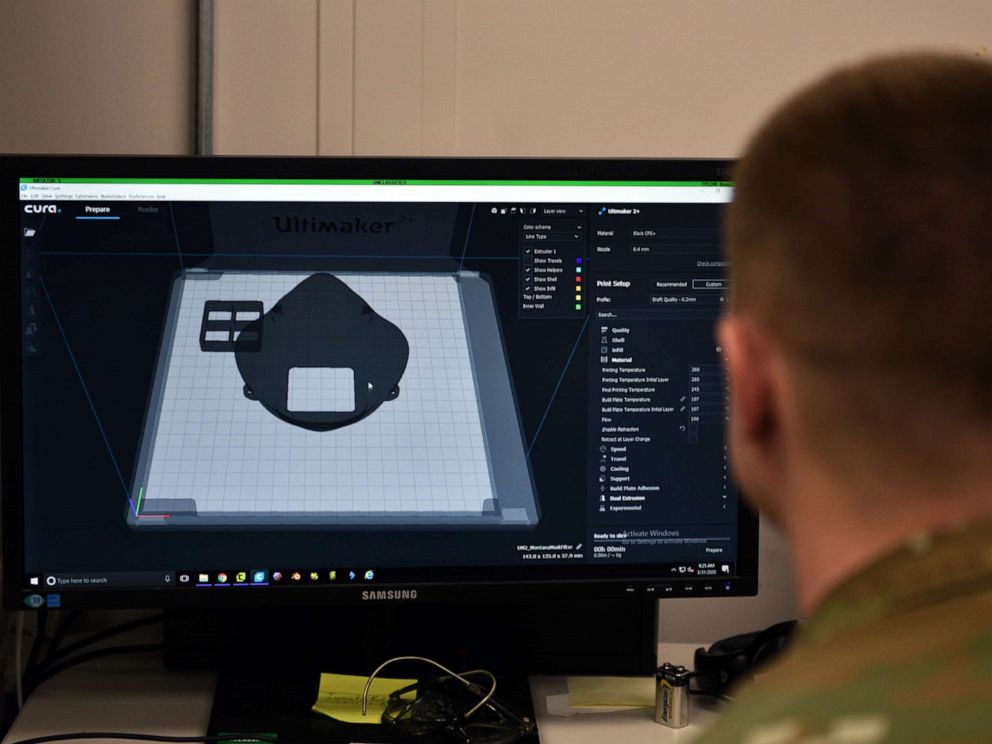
x=321 y=389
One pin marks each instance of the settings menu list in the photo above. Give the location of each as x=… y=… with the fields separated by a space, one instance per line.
x=658 y=398
x=552 y=244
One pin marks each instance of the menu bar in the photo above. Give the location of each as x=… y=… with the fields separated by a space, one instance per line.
x=385 y=191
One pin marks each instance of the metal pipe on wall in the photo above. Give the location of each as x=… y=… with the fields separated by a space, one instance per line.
x=203 y=132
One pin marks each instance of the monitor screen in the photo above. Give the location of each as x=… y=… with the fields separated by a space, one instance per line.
x=265 y=381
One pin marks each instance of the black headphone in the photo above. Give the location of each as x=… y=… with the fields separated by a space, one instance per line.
x=737 y=657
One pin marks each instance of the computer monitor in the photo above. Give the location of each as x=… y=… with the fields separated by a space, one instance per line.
x=330 y=381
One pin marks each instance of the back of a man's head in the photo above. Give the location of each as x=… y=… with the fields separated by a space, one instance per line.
x=861 y=240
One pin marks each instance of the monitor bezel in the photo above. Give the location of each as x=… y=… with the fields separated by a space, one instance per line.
x=633 y=585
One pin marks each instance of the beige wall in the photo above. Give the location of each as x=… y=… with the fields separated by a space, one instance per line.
x=475 y=77
x=95 y=76
x=553 y=77
x=665 y=77
x=265 y=58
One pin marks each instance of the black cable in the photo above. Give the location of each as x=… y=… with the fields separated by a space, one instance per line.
x=149 y=737
x=104 y=635
x=50 y=672
x=59 y=635
x=40 y=628
x=35 y=675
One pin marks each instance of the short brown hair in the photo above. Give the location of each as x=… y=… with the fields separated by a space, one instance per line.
x=861 y=232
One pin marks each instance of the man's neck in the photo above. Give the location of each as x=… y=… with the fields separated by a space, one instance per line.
x=835 y=533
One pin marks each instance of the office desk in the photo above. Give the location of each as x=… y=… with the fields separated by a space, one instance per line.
x=629 y=727
x=137 y=694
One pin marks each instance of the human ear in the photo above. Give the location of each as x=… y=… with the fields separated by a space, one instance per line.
x=754 y=427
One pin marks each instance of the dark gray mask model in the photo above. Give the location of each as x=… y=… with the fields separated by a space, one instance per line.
x=321 y=323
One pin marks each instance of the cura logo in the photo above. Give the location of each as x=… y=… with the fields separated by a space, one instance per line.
x=370 y=595
x=41 y=209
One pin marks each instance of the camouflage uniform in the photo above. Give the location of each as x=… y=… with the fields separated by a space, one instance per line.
x=900 y=652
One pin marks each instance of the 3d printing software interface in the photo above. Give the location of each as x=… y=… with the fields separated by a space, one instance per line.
x=403 y=379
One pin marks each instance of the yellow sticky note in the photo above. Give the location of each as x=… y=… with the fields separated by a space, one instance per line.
x=635 y=692
x=340 y=697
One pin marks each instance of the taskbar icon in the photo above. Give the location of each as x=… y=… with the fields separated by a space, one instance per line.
x=213 y=579
x=257 y=577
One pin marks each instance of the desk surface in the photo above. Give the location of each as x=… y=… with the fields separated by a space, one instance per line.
x=136 y=694
x=630 y=727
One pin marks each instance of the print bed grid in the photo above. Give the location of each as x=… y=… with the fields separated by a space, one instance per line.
x=422 y=453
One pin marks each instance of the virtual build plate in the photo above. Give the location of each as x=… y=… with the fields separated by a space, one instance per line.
x=447 y=451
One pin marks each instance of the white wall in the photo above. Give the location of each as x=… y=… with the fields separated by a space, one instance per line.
x=95 y=76
x=547 y=77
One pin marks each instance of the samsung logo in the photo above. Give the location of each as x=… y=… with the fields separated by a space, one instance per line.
x=41 y=209
x=375 y=595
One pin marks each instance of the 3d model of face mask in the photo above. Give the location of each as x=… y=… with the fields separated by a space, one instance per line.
x=320 y=358
x=286 y=397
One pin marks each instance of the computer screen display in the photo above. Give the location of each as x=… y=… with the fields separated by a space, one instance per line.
x=257 y=381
